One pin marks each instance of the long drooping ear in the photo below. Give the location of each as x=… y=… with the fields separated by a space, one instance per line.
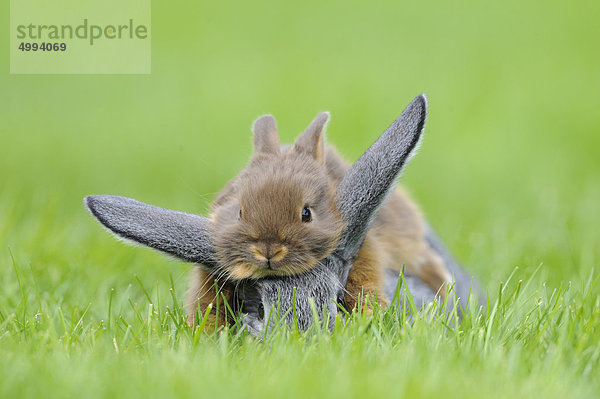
x=266 y=139
x=182 y=235
x=312 y=141
x=366 y=185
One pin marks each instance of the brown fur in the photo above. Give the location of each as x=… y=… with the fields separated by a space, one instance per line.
x=365 y=278
x=259 y=230
x=203 y=292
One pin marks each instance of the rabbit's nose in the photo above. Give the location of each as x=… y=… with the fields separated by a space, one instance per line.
x=269 y=254
x=276 y=254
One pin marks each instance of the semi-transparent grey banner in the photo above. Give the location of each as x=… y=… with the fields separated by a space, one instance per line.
x=80 y=37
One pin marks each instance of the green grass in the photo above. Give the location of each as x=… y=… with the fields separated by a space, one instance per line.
x=508 y=174
x=528 y=343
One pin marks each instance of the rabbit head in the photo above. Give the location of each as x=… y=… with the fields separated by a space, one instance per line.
x=281 y=218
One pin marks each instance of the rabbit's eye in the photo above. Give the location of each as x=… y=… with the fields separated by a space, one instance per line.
x=306 y=216
x=240 y=214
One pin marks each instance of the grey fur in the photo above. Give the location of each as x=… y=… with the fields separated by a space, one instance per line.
x=422 y=294
x=366 y=185
x=182 y=235
x=360 y=193
x=466 y=287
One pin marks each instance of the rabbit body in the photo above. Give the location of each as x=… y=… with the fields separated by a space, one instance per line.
x=278 y=217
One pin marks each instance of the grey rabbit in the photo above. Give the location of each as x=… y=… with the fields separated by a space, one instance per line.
x=359 y=193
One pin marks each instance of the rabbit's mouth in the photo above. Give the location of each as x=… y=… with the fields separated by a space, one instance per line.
x=249 y=270
x=244 y=270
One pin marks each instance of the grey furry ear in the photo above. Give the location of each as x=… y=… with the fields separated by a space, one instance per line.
x=312 y=141
x=365 y=186
x=266 y=139
x=182 y=235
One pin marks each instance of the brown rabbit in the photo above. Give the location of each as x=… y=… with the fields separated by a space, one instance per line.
x=276 y=217
x=279 y=217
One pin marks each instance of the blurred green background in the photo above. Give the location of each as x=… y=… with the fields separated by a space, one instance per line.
x=508 y=173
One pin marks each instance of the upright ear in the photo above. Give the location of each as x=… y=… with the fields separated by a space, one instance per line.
x=266 y=139
x=182 y=235
x=366 y=185
x=312 y=141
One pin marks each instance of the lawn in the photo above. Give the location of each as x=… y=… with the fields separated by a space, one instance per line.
x=508 y=174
